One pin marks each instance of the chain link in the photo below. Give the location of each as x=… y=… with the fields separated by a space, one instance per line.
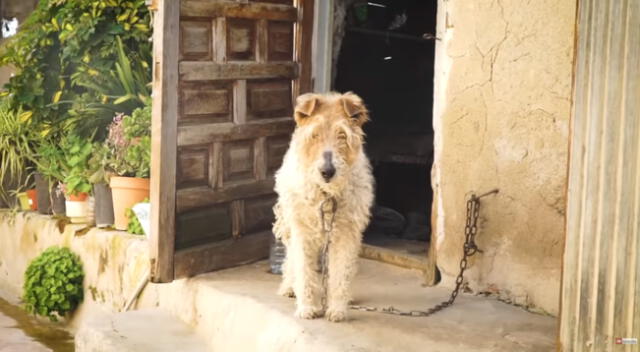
x=327 y=228
x=469 y=249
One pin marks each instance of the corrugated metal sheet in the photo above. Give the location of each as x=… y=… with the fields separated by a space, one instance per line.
x=601 y=275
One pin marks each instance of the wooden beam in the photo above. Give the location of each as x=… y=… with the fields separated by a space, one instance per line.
x=225 y=254
x=240 y=102
x=206 y=71
x=303 y=37
x=196 y=197
x=262 y=42
x=220 y=40
x=394 y=257
x=164 y=132
x=216 y=132
x=273 y=12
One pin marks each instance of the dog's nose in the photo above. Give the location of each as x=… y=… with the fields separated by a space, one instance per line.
x=327 y=172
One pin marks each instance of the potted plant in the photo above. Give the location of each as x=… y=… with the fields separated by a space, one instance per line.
x=32 y=194
x=129 y=143
x=99 y=178
x=77 y=151
x=51 y=168
x=17 y=143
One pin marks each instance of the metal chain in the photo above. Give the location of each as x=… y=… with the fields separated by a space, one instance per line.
x=469 y=249
x=327 y=228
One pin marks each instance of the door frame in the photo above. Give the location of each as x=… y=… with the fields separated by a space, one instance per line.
x=322 y=75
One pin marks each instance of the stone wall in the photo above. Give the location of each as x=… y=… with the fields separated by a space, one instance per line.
x=114 y=262
x=501 y=118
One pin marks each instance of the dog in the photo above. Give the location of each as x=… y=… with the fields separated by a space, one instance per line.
x=325 y=161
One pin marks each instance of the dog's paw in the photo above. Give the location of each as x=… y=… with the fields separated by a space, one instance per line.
x=286 y=291
x=307 y=312
x=335 y=315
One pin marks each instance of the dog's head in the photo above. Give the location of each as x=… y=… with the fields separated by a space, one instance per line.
x=329 y=135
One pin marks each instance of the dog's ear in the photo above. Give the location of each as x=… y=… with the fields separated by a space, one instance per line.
x=305 y=106
x=354 y=108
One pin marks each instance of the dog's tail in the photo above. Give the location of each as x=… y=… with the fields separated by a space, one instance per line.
x=280 y=230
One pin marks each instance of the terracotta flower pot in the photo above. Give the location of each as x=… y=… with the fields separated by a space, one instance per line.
x=78 y=197
x=126 y=192
x=77 y=207
x=33 y=198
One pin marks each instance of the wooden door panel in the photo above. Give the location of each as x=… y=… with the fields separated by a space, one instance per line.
x=196 y=41
x=206 y=101
x=268 y=99
x=193 y=167
x=239 y=66
x=203 y=225
x=280 y=41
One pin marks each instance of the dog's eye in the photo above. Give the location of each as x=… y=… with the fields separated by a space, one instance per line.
x=342 y=135
x=314 y=136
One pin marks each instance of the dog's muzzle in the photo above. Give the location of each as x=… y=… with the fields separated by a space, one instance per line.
x=327 y=170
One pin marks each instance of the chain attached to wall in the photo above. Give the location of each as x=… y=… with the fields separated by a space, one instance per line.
x=469 y=249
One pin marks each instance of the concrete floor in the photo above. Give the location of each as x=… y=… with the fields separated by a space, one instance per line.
x=472 y=324
x=22 y=332
x=12 y=339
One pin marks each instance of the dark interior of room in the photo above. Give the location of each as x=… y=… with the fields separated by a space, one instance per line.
x=386 y=59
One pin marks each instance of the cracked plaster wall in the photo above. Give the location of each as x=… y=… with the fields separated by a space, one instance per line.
x=502 y=108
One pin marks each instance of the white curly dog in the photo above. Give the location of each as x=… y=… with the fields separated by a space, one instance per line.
x=325 y=160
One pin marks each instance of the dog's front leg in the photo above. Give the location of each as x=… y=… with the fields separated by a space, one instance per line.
x=307 y=280
x=343 y=256
x=288 y=274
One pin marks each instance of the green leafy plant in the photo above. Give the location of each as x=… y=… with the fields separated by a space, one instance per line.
x=121 y=90
x=64 y=43
x=50 y=161
x=53 y=283
x=133 y=226
x=98 y=164
x=129 y=142
x=77 y=152
x=17 y=145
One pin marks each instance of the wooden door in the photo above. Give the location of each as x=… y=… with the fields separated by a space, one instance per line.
x=225 y=77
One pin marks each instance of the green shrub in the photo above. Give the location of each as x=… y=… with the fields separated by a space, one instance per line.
x=53 y=283
x=50 y=162
x=63 y=45
x=77 y=152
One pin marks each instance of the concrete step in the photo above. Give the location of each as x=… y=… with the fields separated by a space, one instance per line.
x=238 y=310
x=135 y=331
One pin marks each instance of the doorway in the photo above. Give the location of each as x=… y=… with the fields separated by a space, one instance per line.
x=383 y=50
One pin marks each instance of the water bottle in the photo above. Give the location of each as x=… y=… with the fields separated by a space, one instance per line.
x=277 y=254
